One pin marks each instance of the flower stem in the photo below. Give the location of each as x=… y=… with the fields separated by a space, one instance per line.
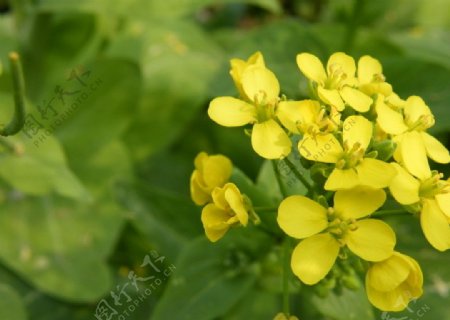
x=18 y=120
x=278 y=177
x=286 y=276
x=393 y=212
x=299 y=175
x=353 y=24
x=265 y=209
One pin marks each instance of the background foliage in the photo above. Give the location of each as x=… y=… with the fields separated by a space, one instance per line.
x=110 y=183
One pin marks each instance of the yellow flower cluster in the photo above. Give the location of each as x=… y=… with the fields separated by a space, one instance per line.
x=225 y=205
x=370 y=144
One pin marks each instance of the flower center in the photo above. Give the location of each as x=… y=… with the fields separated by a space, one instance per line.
x=336 y=76
x=423 y=123
x=433 y=186
x=265 y=110
x=351 y=156
x=338 y=227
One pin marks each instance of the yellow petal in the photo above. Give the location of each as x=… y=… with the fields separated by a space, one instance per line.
x=356 y=99
x=321 y=147
x=375 y=173
x=443 y=201
x=301 y=217
x=198 y=193
x=261 y=84
x=395 y=300
x=404 y=187
x=414 y=156
x=236 y=202
x=331 y=97
x=294 y=113
x=357 y=129
x=373 y=240
x=389 y=120
x=342 y=62
x=415 y=108
x=435 y=149
x=214 y=222
x=342 y=179
x=231 y=112
x=435 y=225
x=314 y=257
x=311 y=67
x=368 y=68
x=358 y=202
x=270 y=141
x=216 y=170
x=388 y=274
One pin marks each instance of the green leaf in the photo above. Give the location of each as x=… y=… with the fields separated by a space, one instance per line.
x=102 y=110
x=60 y=246
x=350 y=305
x=209 y=280
x=178 y=62
x=11 y=304
x=39 y=168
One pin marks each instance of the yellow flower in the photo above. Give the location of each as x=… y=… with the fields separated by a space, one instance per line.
x=391 y=284
x=433 y=196
x=352 y=167
x=210 y=172
x=282 y=316
x=408 y=126
x=336 y=85
x=260 y=94
x=370 y=77
x=307 y=117
x=325 y=231
x=238 y=67
x=228 y=209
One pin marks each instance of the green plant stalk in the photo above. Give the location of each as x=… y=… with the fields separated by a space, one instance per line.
x=298 y=175
x=278 y=177
x=396 y=212
x=286 y=276
x=18 y=120
x=353 y=24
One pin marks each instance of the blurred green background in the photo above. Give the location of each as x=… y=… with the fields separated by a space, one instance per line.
x=119 y=90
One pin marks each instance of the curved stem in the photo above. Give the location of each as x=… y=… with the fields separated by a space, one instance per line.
x=265 y=209
x=278 y=177
x=298 y=175
x=286 y=276
x=18 y=120
x=384 y=213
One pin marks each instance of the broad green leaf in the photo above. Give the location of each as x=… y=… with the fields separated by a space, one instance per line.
x=350 y=305
x=60 y=246
x=39 y=167
x=101 y=110
x=12 y=306
x=256 y=304
x=178 y=62
x=208 y=281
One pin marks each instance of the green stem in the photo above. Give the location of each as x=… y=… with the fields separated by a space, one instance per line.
x=299 y=175
x=353 y=24
x=265 y=209
x=278 y=177
x=18 y=120
x=384 y=213
x=286 y=276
